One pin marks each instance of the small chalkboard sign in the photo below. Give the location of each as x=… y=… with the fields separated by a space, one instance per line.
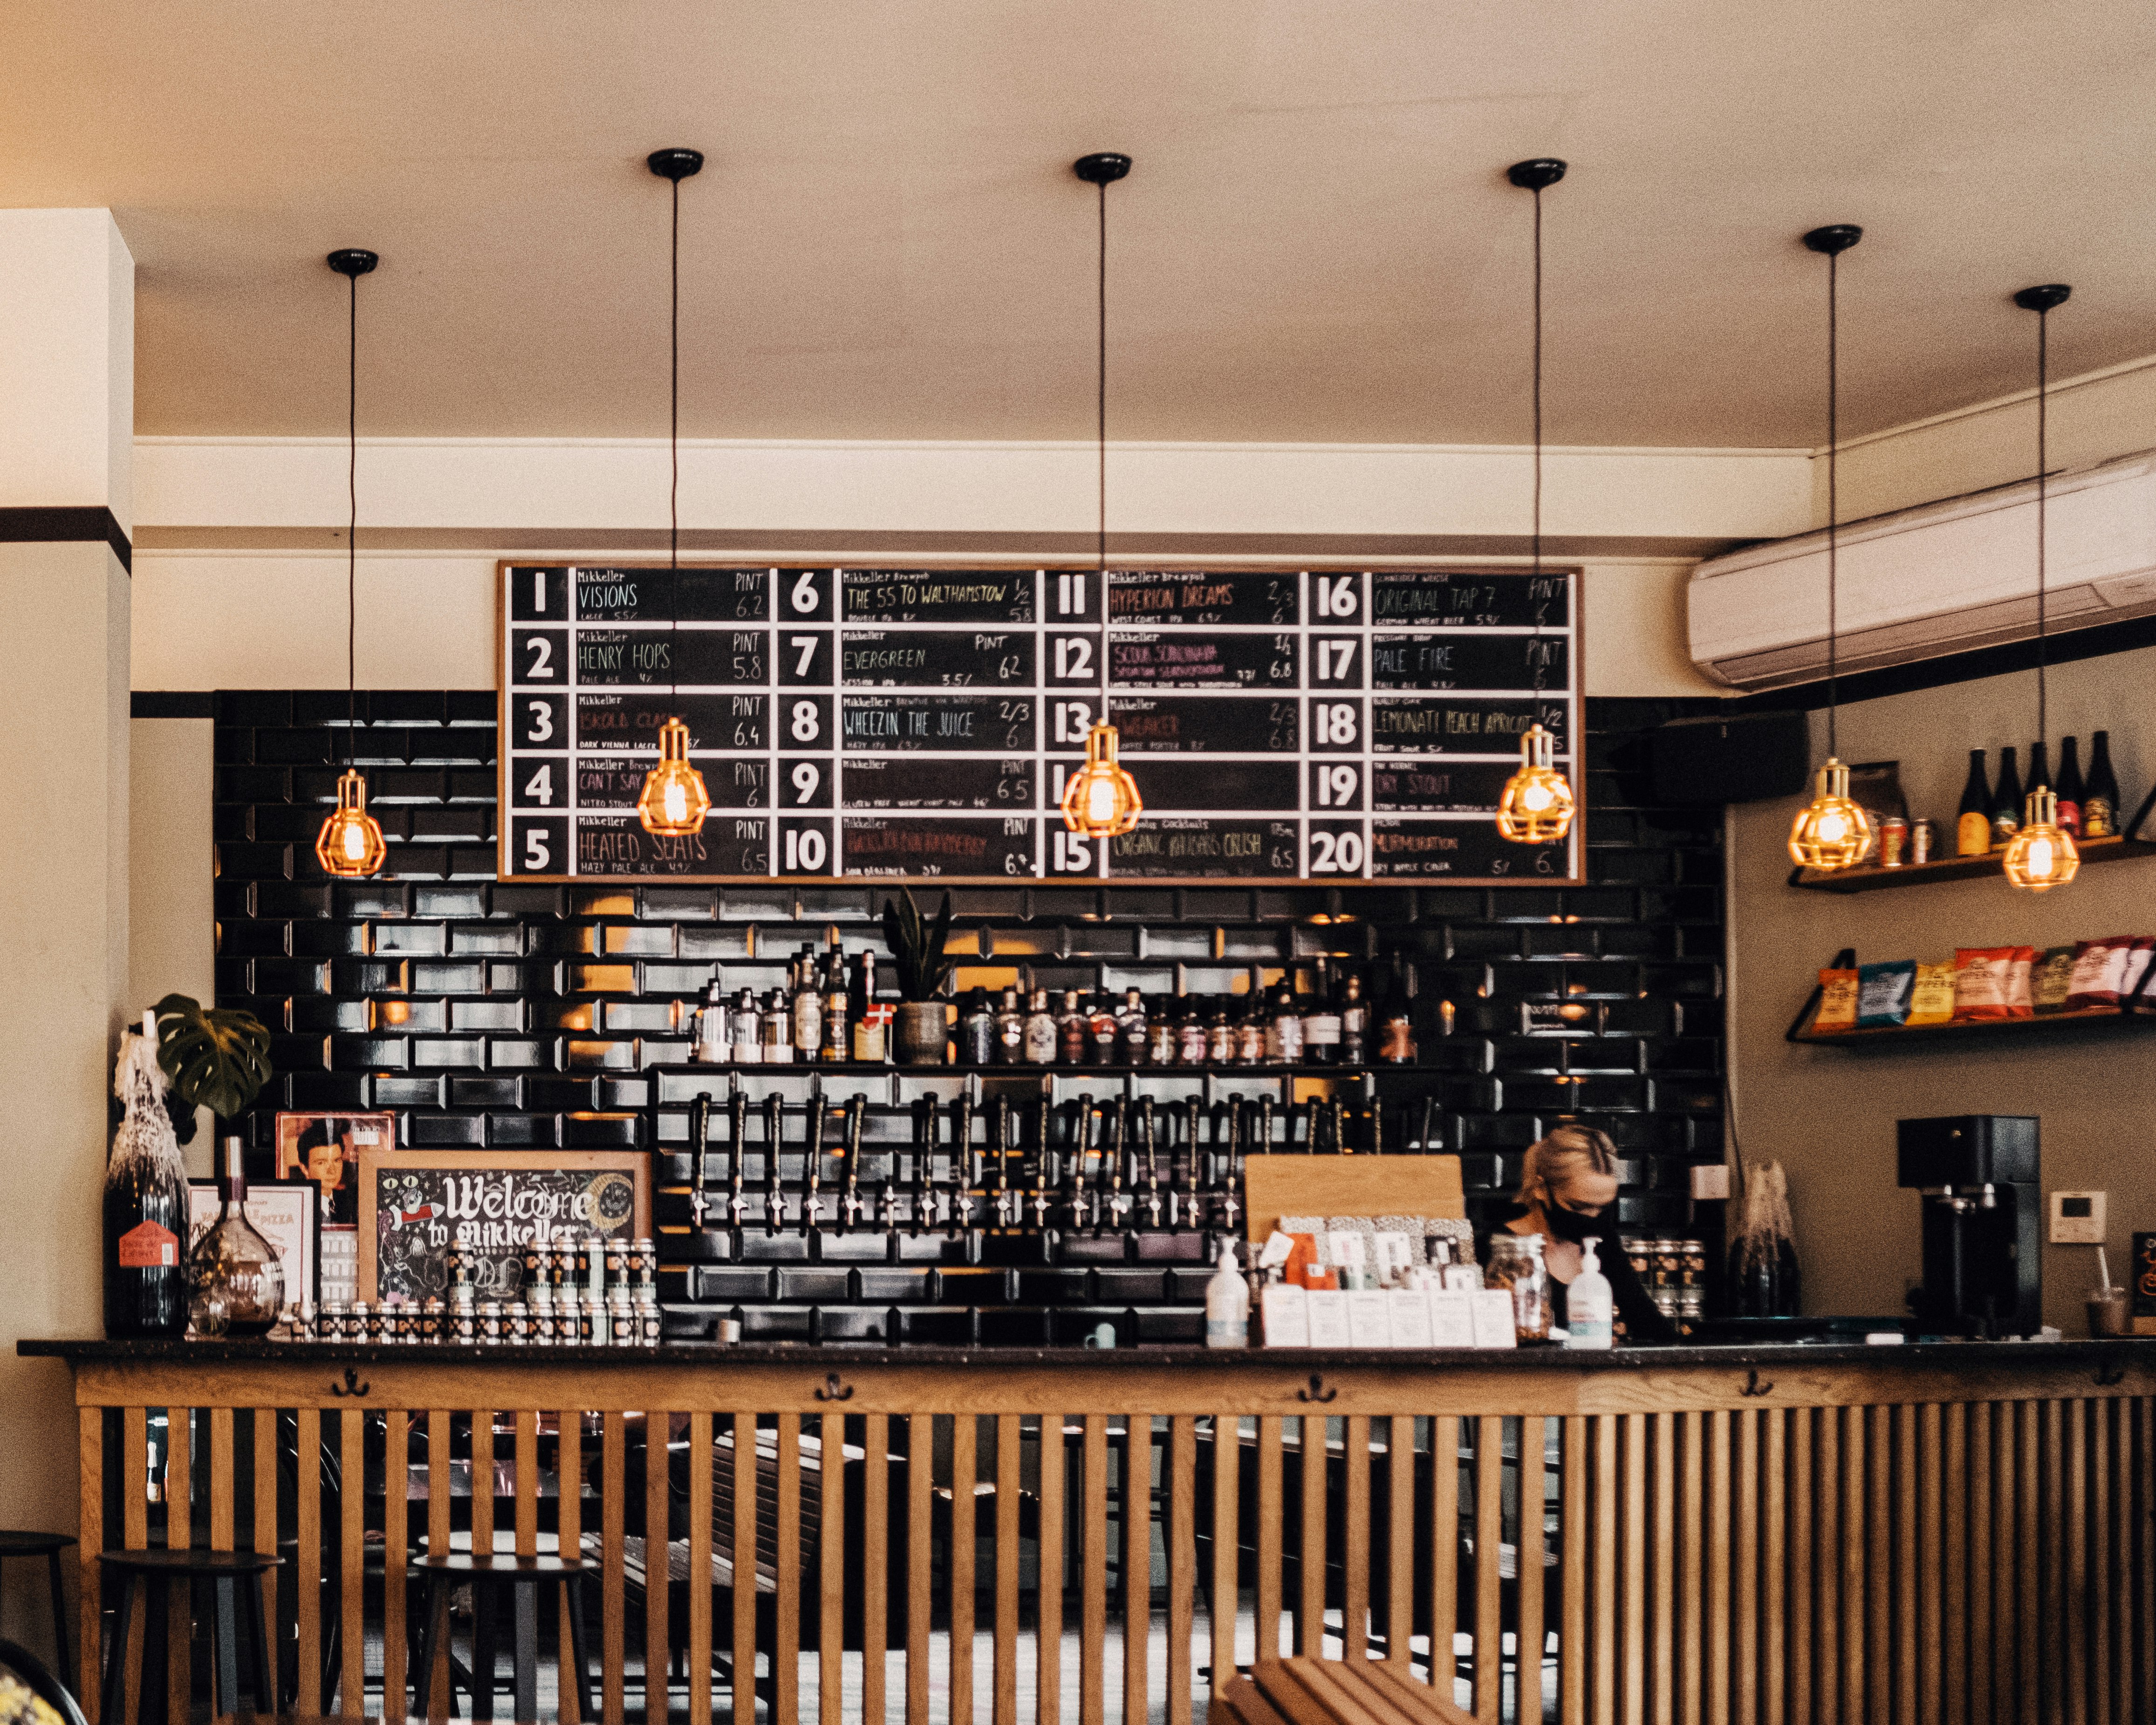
x=415 y=1204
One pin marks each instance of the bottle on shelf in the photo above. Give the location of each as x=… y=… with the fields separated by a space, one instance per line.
x=1354 y=1023
x=871 y=1016
x=2100 y=797
x=1396 y=1033
x=1972 y=821
x=976 y=1030
x=2070 y=788
x=747 y=1046
x=146 y=1203
x=1107 y=1033
x=1131 y=1022
x=1221 y=1033
x=1074 y=1030
x=838 y=1043
x=1010 y=1030
x=2005 y=801
x=1321 y=1020
x=776 y=1029
x=1252 y=1031
x=1163 y=1038
x=1041 y=1033
x=713 y=1042
x=1284 y=1031
x=1190 y=1033
x=2040 y=767
x=235 y=1280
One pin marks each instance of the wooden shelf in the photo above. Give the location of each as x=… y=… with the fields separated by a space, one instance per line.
x=1872 y=878
x=1973 y=1030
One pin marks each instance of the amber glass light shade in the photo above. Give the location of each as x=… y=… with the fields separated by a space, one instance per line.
x=1100 y=799
x=351 y=843
x=2042 y=855
x=1537 y=807
x=1830 y=831
x=674 y=802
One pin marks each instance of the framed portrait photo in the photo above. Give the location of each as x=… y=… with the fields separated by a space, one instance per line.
x=325 y=1148
x=286 y=1213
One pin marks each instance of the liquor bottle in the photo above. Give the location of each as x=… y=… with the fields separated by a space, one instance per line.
x=2069 y=788
x=1252 y=1033
x=2040 y=767
x=1321 y=1020
x=1163 y=1039
x=746 y=1048
x=2005 y=801
x=712 y=1040
x=1190 y=1034
x=1042 y=1032
x=1283 y=1034
x=146 y=1203
x=1354 y=1023
x=1010 y=1030
x=776 y=1027
x=976 y=1030
x=2100 y=797
x=871 y=1017
x=838 y=1043
x=1131 y=1022
x=1972 y=822
x=1107 y=1033
x=235 y=1280
x=1074 y=1030
x=1220 y=1034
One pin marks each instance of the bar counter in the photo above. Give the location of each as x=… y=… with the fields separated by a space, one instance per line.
x=1937 y=1530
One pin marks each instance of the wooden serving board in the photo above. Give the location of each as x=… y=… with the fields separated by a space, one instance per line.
x=1279 y=1186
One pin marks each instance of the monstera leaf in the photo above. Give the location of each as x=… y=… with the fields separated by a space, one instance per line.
x=216 y=1059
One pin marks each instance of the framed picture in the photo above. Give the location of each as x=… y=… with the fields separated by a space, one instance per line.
x=325 y=1148
x=286 y=1213
x=414 y=1205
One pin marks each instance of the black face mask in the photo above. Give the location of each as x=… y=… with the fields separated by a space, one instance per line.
x=1570 y=1225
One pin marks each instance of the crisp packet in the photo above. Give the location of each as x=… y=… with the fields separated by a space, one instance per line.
x=1993 y=982
x=2053 y=979
x=1883 y=991
x=1837 y=1007
x=2107 y=971
x=1932 y=1001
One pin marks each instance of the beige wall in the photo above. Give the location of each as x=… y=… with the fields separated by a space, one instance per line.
x=1828 y=1114
x=171 y=911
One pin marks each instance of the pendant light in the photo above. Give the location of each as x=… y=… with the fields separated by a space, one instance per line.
x=1536 y=807
x=674 y=800
x=1101 y=800
x=2042 y=856
x=351 y=845
x=1831 y=831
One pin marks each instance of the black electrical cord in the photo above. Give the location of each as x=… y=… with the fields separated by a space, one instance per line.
x=2043 y=481
x=1833 y=501
x=1101 y=403
x=351 y=525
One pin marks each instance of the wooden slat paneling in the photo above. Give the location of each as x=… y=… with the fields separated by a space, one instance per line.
x=1744 y=1566
x=1931 y=1528
x=2075 y=1582
x=1355 y=1539
x=1774 y=1567
x=703 y=1458
x=740 y=1635
x=179 y=1534
x=614 y=1573
x=90 y=1541
x=396 y=1544
x=307 y=1581
x=1953 y=1559
x=1572 y=1628
x=2007 y=1557
x=786 y=1613
x=569 y=1468
x=1534 y=1438
x=1602 y=1611
x=875 y=1574
x=1489 y=1536
x=1691 y=1570
x=1093 y=1573
x=1048 y=1631
x=1135 y=1505
x=1800 y=1584
x=1227 y=1476
x=1826 y=1563
x=657 y=1565
x=1007 y=1455
x=1179 y=1526
x=1267 y=1584
x=965 y=1476
x=351 y=1563
x=1854 y=1615
x=1977 y=1606
x=1311 y=1460
x=831 y=1561
x=920 y=1486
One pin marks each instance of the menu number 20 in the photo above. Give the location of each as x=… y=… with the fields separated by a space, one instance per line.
x=1336 y=847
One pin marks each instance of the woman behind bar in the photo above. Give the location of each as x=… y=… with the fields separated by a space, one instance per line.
x=1568 y=1186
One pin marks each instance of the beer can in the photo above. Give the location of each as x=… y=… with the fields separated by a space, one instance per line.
x=489 y=1320
x=329 y=1321
x=432 y=1320
x=1920 y=841
x=1893 y=842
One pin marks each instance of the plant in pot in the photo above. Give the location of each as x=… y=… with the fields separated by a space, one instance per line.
x=924 y=971
x=218 y=1059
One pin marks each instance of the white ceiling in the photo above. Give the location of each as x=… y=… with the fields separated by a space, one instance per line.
x=1317 y=243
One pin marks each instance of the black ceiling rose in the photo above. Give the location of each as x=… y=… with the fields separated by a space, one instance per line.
x=354 y=261
x=1537 y=175
x=1835 y=238
x=1103 y=167
x=675 y=164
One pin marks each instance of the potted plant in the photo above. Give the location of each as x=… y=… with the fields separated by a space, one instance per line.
x=917 y=955
x=215 y=1058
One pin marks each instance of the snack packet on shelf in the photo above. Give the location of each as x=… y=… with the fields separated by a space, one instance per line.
x=1837 y=1007
x=1883 y=993
x=1932 y=1000
x=1993 y=982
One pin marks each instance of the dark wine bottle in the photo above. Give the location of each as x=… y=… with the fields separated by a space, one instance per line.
x=2069 y=787
x=146 y=1205
x=2100 y=797
x=2005 y=801
x=1972 y=827
x=2040 y=767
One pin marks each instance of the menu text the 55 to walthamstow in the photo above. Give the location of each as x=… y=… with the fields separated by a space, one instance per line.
x=1323 y=726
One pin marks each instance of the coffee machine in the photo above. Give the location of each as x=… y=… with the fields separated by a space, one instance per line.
x=1982 y=1212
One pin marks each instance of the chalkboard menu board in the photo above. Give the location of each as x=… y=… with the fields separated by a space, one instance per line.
x=1317 y=726
x=415 y=1204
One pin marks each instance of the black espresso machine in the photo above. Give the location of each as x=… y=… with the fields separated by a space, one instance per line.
x=1983 y=1216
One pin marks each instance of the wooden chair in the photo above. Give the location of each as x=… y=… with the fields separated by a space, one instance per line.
x=1330 y=1692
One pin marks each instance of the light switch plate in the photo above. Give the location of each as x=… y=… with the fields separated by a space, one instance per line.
x=1710 y=1180
x=2077 y=1218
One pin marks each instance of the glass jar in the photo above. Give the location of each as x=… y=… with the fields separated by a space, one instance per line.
x=235 y=1279
x=1516 y=1263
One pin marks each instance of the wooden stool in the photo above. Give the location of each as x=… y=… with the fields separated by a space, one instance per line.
x=1353 y=1691
x=486 y=1571
x=226 y=1570
x=48 y=1546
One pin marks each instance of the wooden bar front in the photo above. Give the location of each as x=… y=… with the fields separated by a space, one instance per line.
x=1939 y=1532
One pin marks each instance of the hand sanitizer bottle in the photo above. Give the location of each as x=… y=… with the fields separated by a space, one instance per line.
x=1227 y=1303
x=1588 y=1306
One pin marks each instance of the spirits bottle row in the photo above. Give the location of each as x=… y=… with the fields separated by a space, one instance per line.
x=831 y=1014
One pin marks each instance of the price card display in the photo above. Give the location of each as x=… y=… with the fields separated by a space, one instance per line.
x=1322 y=726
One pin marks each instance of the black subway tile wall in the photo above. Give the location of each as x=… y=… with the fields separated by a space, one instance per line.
x=517 y=1016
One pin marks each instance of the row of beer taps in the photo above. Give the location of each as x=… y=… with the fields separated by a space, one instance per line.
x=1078 y=1166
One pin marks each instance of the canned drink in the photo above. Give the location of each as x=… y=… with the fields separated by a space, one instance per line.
x=648 y=1323
x=591 y=1325
x=517 y=1325
x=582 y=1260
x=534 y=1254
x=464 y=1324
x=616 y=1263
x=329 y=1321
x=1893 y=842
x=361 y=1323
x=1920 y=841
x=432 y=1312
x=489 y=1321
x=647 y=1263
x=391 y=1323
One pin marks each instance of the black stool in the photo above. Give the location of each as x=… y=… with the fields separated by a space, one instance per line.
x=47 y=1546
x=486 y=1571
x=226 y=1570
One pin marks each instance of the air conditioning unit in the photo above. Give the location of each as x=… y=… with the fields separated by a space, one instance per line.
x=1942 y=579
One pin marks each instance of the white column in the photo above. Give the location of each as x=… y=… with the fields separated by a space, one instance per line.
x=67 y=395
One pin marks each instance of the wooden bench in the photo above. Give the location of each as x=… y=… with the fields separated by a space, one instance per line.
x=1330 y=1692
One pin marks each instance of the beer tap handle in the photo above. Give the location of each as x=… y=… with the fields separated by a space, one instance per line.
x=1429 y=1108
x=924 y=1157
x=850 y=1208
x=962 y=1167
x=812 y=1197
x=1265 y=1139
x=1081 y=1152
x=1002 y=1198
x=700 y=1135
x=737 y=1125
x=1041 y=1166
x=774 y=1130
x=1339 y=1112
x=1111 y=1159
